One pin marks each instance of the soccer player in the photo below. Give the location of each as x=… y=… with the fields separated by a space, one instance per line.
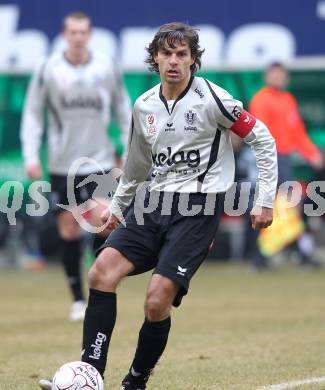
x=181 y=131
x=77 y=87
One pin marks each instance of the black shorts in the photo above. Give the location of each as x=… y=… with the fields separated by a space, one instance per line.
x=173 y=245
x=59 y=186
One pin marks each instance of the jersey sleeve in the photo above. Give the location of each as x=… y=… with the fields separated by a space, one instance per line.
x=264 y=149
x=121 y=104
x=231 y=115
x=32 y=120
x=137 y=166
x=256 y=134
x=226 y=109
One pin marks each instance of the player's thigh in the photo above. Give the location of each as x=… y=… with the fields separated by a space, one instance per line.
x=187 y=244
x=137 y=242
x=189 y=239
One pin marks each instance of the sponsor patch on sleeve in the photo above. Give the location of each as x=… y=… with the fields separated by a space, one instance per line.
x=244 y=124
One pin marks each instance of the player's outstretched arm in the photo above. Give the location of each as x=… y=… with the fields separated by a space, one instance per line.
x=256 y=134
x=231 y=115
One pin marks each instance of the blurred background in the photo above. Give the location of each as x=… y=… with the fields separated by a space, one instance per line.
x=240 y=40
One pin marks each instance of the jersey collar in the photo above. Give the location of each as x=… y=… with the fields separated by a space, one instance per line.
x=90 y=57
x=179 y=97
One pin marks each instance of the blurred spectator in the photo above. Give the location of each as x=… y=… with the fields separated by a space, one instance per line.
x=278 y=109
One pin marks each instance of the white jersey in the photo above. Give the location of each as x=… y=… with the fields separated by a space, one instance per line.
x=188 y=146
x=78 y=99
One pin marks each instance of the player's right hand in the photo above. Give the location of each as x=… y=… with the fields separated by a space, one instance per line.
x=110 y=220
x=34 y=171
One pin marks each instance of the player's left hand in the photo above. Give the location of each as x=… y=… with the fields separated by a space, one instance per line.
x=261 y=217
x=110 y=220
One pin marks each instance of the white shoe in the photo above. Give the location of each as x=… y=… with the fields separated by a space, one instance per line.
x=45 y=384
x=77 y=311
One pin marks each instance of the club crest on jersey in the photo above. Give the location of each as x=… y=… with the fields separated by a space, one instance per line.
x=190 y=117
x=151 y=124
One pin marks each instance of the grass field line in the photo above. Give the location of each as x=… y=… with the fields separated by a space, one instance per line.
x=293 y=384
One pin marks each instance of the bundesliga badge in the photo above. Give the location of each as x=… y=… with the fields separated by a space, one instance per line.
x=151 y=124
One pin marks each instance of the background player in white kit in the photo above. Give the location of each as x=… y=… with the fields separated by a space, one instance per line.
x=78 y=87
x=181 y=130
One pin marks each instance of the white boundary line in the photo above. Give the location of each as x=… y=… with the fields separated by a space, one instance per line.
x=293 y=384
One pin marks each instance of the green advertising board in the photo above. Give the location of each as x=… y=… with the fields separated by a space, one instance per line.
x=307 y=85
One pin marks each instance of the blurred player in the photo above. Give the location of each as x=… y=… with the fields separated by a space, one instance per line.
x=77 y=87
x=180 y=130
x=278 y=109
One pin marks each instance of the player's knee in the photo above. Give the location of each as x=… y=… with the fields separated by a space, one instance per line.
x=106 y=273
x=99 y=275
x=157 y=306
x=93 y=276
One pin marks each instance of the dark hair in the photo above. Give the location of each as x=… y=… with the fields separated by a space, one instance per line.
x=76 y=15
x=170 y=34
x=276 y=64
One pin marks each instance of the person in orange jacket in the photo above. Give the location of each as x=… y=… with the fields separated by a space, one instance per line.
x=278 y=109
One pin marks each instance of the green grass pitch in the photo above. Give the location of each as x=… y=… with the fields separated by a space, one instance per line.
x=234 y=331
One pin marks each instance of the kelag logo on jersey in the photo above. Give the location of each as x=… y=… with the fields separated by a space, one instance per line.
x=82 y=102
x=236 y=112
x=191 y=158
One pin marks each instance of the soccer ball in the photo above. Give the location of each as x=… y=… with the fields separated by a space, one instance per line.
x=77 y=376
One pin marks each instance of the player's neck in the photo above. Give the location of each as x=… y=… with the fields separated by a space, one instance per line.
x=77 y=58
x=171 y=91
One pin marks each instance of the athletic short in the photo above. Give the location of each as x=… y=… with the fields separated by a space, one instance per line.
x=59 y=188
x=172 y=245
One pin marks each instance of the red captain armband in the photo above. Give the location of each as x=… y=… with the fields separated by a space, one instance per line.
x=244 y=124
